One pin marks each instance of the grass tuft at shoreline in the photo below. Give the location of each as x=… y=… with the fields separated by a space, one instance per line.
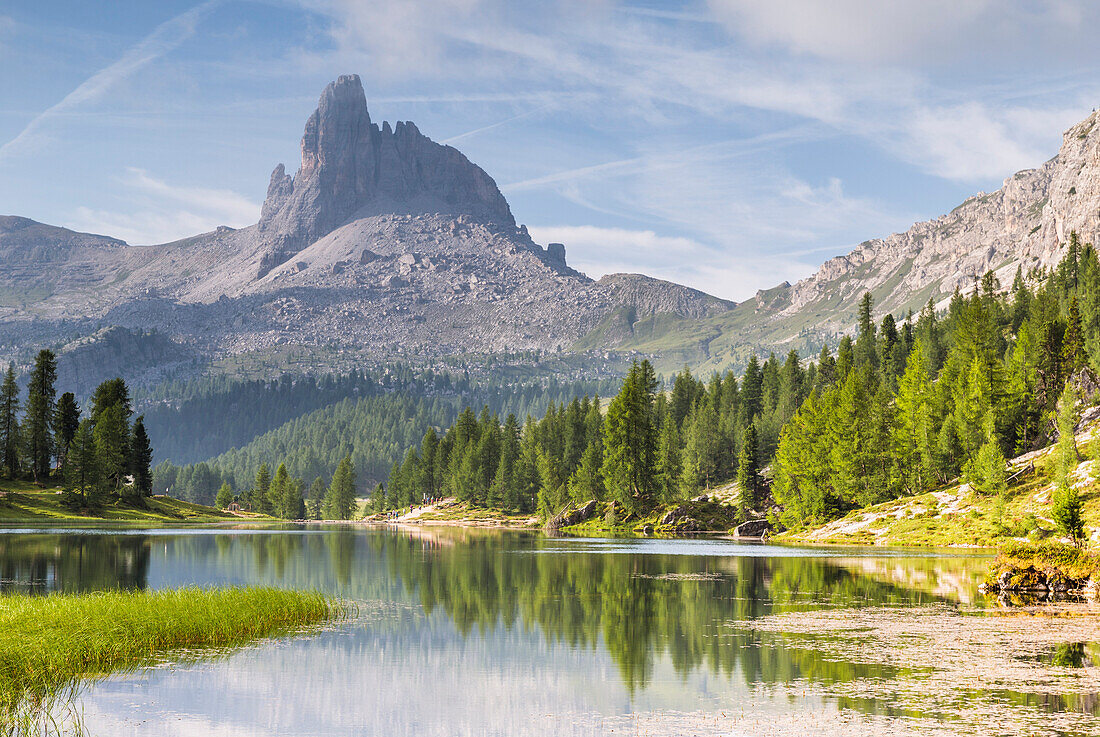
x=48 y=644
x=1072 y=563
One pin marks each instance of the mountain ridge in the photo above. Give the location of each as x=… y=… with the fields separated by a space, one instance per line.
x=382 y=241
x=390 y=243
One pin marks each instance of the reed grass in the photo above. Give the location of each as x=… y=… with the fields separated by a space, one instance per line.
x=50 y=645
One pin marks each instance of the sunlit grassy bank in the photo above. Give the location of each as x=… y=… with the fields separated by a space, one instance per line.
x=1056 y=561
x=22 y=501
x=48 y=645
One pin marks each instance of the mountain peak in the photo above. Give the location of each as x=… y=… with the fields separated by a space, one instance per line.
x=350 y=165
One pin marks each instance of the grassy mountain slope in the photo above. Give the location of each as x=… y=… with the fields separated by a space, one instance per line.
x=957 y=516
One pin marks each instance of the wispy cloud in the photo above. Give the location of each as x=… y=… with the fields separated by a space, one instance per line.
x=790 y=57
x=164 y=38
x=159 y=212
x=494 y=126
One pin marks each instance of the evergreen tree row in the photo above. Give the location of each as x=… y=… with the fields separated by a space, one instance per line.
x=182 y=413
x=905 y=411
x=283 y=496
x=93 y=456
x=903 y=406
x=649 y=447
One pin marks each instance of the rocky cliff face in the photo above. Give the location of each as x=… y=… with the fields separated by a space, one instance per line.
x=1025 y=223
x=349 y=164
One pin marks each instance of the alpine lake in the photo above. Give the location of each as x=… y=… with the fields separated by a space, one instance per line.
x=459 y=631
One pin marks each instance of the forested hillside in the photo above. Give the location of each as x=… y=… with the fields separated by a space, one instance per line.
x=311 y=424
x=181 y=414
x=905 y=406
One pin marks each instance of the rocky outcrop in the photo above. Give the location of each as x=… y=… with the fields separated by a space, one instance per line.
x=147 y=357
x=1024 y=224
x=754 y=529
x=649 y=296
x=575 y=516
x=349 y=163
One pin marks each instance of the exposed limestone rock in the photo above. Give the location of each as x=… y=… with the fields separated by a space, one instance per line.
x=1024 y=224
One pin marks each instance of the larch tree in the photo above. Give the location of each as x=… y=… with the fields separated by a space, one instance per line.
x=9 y=423
x=339 y=501
x=67 y=421
x=39 y=421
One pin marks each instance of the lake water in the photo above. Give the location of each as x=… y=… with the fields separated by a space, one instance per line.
x=484 y=632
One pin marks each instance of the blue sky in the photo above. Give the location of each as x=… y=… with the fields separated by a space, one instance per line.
x=725 y=144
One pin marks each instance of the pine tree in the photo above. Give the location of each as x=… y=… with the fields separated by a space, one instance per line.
x=587 y=481
x=277 y=492
x=1073 y=342
x=752 y=392
x=82 y=472
x=985 y=472
x=9 y=423
x=702 y=441
x=845 y=358
x=141 y=460
x=630 y=438
x=826 y=370
x=865 y=353
x=552 y=496
x=293 y=505
x=224 y=497
x=1066 y=510
x=505 y=485
x=108 y=394
x=38 y=423
x=67 y=421
x=748 y=473
x=113 y=445
x=339 y=502
x=316 y=498
x=916 y=426
x=258 y=495
x=685 y=391
x=669 y=467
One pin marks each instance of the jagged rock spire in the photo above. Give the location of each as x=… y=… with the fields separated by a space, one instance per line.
x=349 y=163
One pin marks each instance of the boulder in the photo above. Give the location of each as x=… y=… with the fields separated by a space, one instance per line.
x=754 y=528
x=582 y=514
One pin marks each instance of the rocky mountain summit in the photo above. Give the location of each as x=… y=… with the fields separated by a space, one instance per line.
x=383 y=240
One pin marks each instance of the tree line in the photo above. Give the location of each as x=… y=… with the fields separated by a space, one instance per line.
x=93 y=455
x=946 y=396
x=901 y=407
x=383 y=415
x=281 y=495
x=181 y=413
x=648 y=447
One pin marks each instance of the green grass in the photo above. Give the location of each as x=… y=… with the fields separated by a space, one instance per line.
x=22 y=501
x=1073 y=563
x=49 y=645
x=953 y=516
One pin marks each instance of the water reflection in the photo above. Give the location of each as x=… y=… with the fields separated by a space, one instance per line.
x=39 y=563
x=487 y=632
